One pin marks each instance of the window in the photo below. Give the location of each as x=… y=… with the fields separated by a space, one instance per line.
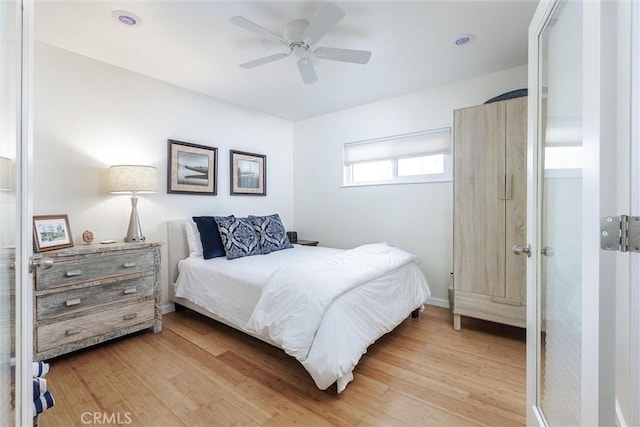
x=415 y=157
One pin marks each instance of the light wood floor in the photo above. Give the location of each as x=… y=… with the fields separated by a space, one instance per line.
x=197 y=372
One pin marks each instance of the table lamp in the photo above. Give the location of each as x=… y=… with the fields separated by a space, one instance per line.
x=134 y=180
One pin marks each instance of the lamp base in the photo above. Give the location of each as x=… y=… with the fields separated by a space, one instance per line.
x=134 y=233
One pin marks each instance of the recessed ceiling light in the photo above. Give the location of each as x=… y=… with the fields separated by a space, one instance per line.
x=464 y=39
x=126 y=18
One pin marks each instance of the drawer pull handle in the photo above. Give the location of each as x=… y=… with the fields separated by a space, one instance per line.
x=129 y=264
x=73 y=331
x=72 y=273
x=130 y=316
x=74 y=301
x=131 y=290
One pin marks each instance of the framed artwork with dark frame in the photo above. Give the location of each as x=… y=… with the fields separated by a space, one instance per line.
x=191 y=168
x=51 y=232
x=248 y=174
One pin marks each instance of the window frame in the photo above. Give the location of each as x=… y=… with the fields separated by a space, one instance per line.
x=446 y=176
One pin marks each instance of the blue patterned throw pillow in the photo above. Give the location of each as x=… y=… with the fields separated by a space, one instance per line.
x=238 y=237
x=271 y=233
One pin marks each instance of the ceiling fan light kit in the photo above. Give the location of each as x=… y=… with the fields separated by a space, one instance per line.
x=299 y=37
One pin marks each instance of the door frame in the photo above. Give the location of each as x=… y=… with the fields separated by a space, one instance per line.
x=534 y=199
x=24 y=237
x=634 y=273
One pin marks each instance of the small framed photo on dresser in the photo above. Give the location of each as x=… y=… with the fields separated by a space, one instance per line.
x=51 y=232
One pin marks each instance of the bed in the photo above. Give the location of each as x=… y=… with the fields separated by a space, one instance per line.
x=327 y=323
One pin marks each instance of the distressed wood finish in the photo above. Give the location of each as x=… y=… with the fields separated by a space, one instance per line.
x=93 y=294
x=94 y=297
x=89 y=326
x=82 y=265
x=490 y=211
x=198 y=372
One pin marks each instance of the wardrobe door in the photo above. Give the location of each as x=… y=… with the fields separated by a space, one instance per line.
x=479 y=205
x=516 y=199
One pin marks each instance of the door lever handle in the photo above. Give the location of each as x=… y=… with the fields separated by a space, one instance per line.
x=522 y=249
x=547 y=251
x=39 y=261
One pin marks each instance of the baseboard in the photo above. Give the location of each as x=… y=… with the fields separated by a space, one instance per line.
x=168 y=308
x=438 y=302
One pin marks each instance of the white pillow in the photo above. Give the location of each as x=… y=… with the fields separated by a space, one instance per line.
x=193 y=239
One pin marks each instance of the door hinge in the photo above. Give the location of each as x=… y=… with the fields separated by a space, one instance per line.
x=620 y=233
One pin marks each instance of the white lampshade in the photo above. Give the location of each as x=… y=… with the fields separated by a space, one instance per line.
x=6 y=174
x=134 y=179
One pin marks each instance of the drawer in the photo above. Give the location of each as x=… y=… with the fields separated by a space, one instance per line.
x=78 y=300
x=63 y=272
x=69 y=331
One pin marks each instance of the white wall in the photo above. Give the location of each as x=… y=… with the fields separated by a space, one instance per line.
x=415 y=217
x=90 y=115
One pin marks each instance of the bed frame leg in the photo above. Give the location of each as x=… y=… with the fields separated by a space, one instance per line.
x=415 y=313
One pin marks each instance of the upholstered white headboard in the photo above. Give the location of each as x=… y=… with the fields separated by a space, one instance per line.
x=177 y=248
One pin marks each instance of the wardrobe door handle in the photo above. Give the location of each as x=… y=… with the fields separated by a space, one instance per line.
x=74 y=301
x=131 y=290
x=508 y=187
x=129 y=264
x=130 y=316
x=73 y=331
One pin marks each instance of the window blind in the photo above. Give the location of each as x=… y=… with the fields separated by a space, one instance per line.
x=424 y=143
x=563 y=132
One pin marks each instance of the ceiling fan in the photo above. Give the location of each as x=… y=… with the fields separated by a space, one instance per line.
x=299 y=37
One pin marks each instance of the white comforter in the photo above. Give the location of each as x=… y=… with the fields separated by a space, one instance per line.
x=374 y=296
x=296 y=297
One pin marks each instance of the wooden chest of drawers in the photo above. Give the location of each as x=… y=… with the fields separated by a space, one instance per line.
x=95 y=293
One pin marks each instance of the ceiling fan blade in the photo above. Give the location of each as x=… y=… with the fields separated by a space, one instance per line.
x=324 y=20
x=264 y=60
x=344 y=55
x=306 y=71
x=257 y=29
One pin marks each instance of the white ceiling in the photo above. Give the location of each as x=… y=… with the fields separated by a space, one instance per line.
x=193 y=45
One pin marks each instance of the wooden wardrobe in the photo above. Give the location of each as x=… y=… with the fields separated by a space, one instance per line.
x=489 y=203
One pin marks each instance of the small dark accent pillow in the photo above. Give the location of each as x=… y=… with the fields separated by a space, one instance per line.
x=212 y=246
x=271 y=232
x=238 y=236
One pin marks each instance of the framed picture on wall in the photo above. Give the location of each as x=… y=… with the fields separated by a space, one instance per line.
x=191 y=168
x=51 y=232
x=248 y=174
